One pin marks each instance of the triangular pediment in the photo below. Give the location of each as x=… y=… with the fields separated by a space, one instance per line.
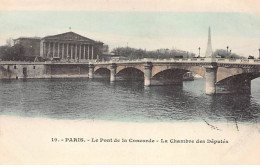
x=69 y=36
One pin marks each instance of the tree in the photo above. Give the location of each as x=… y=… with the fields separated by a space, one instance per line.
x=133 y=53
x=224 y=54
x=12 y=53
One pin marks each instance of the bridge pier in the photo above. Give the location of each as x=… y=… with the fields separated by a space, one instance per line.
x=113 y=72
x=91 y=71
x=211 y=76
x=148 y=74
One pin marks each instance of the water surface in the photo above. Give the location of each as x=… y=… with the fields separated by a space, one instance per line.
x=98 y=99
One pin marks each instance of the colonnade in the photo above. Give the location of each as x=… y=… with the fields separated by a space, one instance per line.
x=68 y=50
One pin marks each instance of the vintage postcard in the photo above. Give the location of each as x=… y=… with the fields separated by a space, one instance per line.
x=112 y=82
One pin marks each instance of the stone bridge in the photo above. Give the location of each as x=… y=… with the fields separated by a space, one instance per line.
x=221 y=75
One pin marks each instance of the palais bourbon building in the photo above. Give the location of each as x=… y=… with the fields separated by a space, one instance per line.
x=65 y=46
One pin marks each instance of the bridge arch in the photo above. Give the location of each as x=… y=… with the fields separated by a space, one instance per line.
x=102 y=71
x=121 y=68
x=236 y=79
x=98 y=68
x=170 y=74
x=239 y=83
x=196 y=69
x=225 y=74
x=130 y=73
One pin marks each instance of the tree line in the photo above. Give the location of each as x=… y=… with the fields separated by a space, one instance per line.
x=15 y=53
x=12 y=53
x=225 y=54
x=133 y=53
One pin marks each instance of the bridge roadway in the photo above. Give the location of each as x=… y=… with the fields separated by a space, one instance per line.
x=221 y=75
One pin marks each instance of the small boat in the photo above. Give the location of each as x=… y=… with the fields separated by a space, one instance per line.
x=188 y=76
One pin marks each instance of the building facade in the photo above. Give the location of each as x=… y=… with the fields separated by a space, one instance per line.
x=70 y=46
x=31 y=46
x=65 y=46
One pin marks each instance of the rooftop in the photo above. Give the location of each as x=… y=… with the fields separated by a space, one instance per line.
x=31 y=38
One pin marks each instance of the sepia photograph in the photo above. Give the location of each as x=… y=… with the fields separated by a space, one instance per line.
x=129 y=82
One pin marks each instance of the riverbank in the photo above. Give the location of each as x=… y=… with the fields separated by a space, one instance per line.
x=32 y=141
x=16 y=70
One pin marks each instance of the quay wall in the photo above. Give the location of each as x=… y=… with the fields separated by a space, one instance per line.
x=66 y=71
x=18 y=71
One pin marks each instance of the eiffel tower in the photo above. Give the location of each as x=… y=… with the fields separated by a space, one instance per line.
x=209 y=46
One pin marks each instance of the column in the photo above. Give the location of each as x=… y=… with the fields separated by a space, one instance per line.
x=43 y=52
x=59 y=50
x=148 y=74
x=53 y=54
x=92 y=52
x=88 y=52
x=67 y=49
x=45 y=49
x=76 y=47
x=80 y=51
x=113 y=72
x=42 y=49
x=71 y=51
x=84 y=52
x=49 y=50
x=211 y=75
x=91 y=71
x=62 y=52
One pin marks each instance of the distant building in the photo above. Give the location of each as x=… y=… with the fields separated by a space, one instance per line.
x=65 y=46
x=31 y=45
x=105 y=49
x=163 y=51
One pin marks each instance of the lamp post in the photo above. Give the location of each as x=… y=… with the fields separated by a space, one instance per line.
x=227 y=50
x=259 y=53
x=199 y=52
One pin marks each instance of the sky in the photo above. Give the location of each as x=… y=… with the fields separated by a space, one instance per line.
x=147 y=30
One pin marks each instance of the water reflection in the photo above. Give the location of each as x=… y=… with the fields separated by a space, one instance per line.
x=98 y=99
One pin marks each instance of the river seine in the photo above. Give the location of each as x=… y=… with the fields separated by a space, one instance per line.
x=98 y=99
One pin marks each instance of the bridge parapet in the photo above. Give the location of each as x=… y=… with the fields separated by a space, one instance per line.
x=170 y=60
x=184 y=60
